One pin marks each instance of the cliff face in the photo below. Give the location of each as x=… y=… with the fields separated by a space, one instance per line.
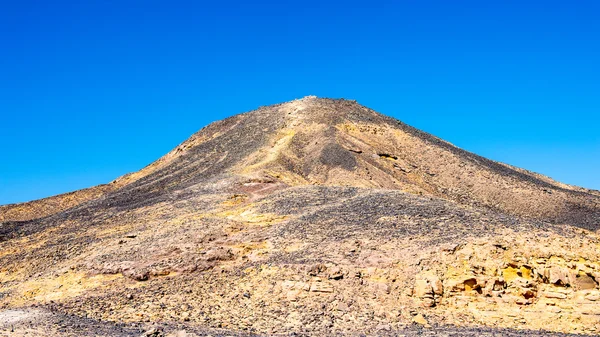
x=313 y=216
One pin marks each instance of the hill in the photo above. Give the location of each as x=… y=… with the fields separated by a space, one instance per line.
x=316 y=216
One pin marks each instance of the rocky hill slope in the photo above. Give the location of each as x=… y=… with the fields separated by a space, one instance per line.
x=316 y=216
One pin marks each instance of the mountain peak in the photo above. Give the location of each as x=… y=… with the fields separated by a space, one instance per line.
x=338 y=142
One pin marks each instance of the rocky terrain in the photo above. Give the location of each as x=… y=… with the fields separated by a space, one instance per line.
x=312 y=217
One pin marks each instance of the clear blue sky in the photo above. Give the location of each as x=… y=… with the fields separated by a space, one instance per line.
x=91 y=90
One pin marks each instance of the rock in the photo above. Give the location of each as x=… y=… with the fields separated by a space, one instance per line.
x=154 y=332
x=585 y=282
x=527 y=293
x=555 y=310
x=589 y=308
x=219 y=254
x=523 y=301
x=552 y=294
x=343 y=307
x=493 y=287
x=419 y=319
x=321 y=287
x=428 y=288
x=472 y=284
x=558 y=276
x=423 y=289
x=593 y=296
x=520 y=282
x=461 y=283
x=335 y=273
x=138 y=275
x=381 y=287
x=292 y=295
x=437 y=286
x=383 y=327
x=316 y=269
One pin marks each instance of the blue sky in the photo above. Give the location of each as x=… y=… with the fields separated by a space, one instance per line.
x=91 y=90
